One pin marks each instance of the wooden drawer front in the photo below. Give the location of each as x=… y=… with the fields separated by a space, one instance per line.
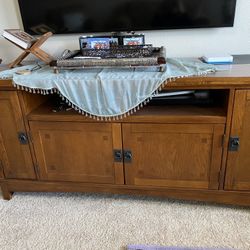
x=238 y=164
x=15 y=158
x=174 y=155
x=70 y=151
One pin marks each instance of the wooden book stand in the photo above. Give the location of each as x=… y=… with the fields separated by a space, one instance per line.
x=35 y=50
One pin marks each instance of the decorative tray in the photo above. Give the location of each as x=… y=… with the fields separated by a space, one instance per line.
x=157 y=58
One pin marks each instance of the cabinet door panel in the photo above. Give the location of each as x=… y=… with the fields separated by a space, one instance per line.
x=238 y=164
x=173 y=155
x=69 y=151
x=15 y=158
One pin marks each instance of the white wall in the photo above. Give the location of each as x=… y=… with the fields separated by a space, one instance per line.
x=179 y=43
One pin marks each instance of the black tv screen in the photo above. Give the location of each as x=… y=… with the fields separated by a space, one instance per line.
x=89 y=16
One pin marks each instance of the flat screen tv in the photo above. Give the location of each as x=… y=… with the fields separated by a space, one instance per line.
x=91 y=16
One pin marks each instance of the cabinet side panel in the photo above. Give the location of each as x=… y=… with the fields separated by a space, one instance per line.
x=238 y=164
x=16 y=157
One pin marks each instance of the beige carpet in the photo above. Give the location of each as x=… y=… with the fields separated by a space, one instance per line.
x=104 y=222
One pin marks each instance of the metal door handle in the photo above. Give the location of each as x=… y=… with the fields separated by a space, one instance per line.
x=127 y=156
x=118 y=155
x=234 y=143
x=23 y=138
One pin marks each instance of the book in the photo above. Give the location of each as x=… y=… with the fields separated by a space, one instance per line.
x=19 y=37
x=217 y=59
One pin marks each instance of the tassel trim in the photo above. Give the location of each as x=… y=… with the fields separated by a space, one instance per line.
x=99 y=117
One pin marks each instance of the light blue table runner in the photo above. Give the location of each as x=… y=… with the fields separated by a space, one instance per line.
x=105 y=93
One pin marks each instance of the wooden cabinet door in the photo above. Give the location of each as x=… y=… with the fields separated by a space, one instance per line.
x=238 y=162
x=15 y=158
x=173 y=155
x=70 y=151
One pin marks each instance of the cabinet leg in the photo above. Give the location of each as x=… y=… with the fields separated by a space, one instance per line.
x=7 y=195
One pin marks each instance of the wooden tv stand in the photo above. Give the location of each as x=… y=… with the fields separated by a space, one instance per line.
x=175 y=151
